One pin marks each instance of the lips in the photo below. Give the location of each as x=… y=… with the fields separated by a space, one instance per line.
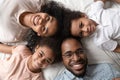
x=78 y=66
x=36 y=19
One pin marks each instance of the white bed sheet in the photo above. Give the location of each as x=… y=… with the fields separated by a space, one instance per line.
x=80 y=5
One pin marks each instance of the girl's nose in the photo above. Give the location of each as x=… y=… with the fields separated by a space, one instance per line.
x=85 y=29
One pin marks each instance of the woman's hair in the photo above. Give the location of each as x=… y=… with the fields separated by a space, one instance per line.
x=69 y=15
x=54 y=9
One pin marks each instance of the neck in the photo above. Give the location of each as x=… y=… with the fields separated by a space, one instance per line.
x=30 y=66
x=25 y=19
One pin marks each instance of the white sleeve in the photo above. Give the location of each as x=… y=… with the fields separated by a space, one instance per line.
x=109 y=45
x=95 y=7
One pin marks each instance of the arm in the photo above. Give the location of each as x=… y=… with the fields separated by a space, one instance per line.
x=118 y=1
x=6 y=49
x=117 y=49
x=116 y=79
x=101 y=0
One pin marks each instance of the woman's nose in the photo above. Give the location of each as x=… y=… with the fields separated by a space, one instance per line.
x=41 y=21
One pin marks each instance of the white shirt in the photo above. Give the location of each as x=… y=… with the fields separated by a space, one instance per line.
x=95 y=54
x=108 y=31
x=10 y=28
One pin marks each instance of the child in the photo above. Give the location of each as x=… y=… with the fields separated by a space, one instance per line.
x=102 y=26
x=23 y=64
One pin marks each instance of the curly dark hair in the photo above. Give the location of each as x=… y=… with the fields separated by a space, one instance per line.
x=69 y=15
x=52 y=43
x=54 y=9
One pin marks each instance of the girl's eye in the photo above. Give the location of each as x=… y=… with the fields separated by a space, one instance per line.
x=80 y=25
x=41 y=54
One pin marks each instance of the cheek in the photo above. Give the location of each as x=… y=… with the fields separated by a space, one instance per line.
x=85 y=34
x=65 y=62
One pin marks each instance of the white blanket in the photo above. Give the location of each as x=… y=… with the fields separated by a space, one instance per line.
x=82 y=5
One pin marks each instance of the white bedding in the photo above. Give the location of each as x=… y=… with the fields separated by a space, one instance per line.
x=81 y=5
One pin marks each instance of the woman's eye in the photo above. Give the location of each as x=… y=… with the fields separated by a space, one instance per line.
x=48 y=18
x=43 y=29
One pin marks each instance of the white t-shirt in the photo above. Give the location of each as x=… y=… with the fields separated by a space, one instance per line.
x=16 y=68
x=108 y=29
x=10 y=28
x=104 y=33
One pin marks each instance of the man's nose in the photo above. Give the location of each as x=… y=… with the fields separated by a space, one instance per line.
x=75 y=57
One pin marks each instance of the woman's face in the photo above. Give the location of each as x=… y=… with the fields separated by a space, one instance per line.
x=42 y=57
x=43 y=24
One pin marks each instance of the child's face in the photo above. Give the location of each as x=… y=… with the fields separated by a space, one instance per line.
x=83 y=27
x=42 y=57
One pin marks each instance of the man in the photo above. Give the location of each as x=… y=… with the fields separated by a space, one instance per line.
x=75 y=62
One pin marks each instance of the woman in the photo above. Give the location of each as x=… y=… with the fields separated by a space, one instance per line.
x=20 y=16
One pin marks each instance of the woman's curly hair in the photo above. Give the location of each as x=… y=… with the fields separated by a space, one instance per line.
x=54 y=9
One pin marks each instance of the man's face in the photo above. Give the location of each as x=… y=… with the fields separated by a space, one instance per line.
x=74 y=58
x=82 y=27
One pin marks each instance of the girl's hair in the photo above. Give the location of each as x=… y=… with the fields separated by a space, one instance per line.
x=69 y=15
x=52 y=43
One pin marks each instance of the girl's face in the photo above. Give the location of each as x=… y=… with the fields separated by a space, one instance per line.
x=42 y=57
x=83 y=27
x=43 y=24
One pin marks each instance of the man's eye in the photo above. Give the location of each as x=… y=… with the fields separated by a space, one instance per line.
x=68 y=55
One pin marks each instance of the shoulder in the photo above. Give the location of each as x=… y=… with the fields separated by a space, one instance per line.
x=56 y=69
x=22 y=50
